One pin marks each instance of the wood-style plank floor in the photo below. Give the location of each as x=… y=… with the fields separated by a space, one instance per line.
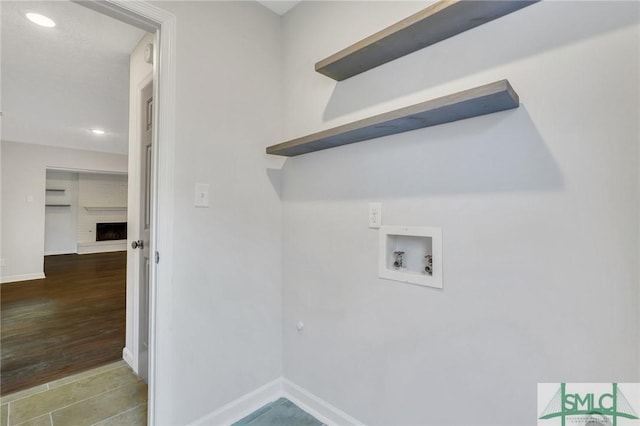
x=71 y=321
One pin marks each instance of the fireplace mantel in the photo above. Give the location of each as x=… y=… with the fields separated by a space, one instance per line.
x=105 y=208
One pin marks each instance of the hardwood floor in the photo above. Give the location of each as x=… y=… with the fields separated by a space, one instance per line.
x=71 y=321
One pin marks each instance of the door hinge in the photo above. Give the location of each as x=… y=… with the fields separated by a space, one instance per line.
x=157 y=257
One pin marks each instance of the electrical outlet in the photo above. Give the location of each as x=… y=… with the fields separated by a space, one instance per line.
x=375 y=215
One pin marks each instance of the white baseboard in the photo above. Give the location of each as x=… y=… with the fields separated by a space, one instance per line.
x=22 y=277
x=127 y=356
x=101 y=247
x=279 y=388
x=57 y=252
x=243 y=406
x=317 y=407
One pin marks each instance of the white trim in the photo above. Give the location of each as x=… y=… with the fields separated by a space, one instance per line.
x=280 y=388
x=162 y=187
x=88 y=171
x=102 y=246
x=317 y=407
x=243 y=406
x=22 y=277
x=161 y=292
x=116 y=10
x=57 y=252
x=127 y=356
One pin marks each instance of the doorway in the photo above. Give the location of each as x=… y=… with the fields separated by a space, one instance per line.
x=163 y=25
x=149 y=18
x=74 y=318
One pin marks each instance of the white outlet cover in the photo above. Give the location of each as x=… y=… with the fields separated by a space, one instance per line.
x=375 y=215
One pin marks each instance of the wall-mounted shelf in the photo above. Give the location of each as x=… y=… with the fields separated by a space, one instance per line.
x=104 y=208
x=437 y=22
x=486 y=99
x=55 y=190
x=57 y=205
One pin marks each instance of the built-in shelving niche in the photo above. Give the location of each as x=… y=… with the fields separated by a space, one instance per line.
x=58 y=192
x=481 y=100
x=437 y=22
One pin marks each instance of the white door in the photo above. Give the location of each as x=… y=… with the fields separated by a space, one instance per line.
x=143 y=243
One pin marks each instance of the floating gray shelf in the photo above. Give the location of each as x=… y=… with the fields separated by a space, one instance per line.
x=437 y=22
x=55 y=190
x=486 y=99
x=58 y=205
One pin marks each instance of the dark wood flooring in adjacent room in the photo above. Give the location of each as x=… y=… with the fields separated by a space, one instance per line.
x=69 y=322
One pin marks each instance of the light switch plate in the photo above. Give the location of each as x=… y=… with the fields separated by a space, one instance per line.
x=201 y=195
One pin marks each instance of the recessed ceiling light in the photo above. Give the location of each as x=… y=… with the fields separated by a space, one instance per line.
x=41 y=20
x=97 y=131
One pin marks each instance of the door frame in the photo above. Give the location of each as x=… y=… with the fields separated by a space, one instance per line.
x=163 y=24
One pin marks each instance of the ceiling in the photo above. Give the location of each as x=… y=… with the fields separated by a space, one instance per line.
x=59 y=83
x=279 y=6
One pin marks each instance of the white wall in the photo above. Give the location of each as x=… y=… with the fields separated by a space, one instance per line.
x=23 y=179
x=538 y=208
x=61 y=223
x=226 y=318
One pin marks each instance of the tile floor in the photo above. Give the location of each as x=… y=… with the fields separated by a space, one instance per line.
x=279 y=413
x=107 y=395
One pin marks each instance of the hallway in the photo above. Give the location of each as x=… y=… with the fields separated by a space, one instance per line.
x=69 y=322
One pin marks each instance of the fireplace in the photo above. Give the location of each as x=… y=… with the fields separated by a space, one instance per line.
x=111 y=231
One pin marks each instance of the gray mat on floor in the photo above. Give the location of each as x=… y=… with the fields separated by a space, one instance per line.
x=279 y=413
